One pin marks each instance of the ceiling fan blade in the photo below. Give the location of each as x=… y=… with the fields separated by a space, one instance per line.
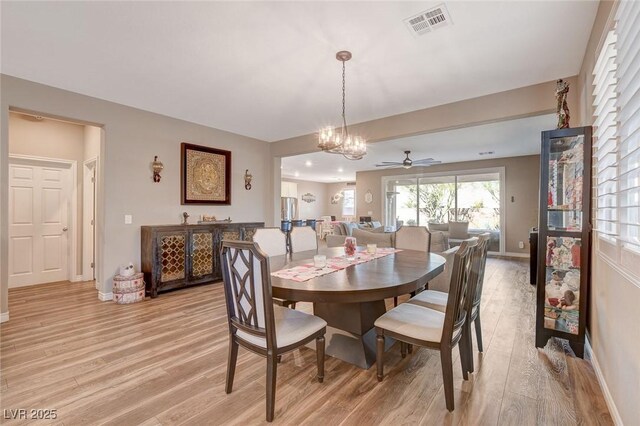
x=388 y=165
x=390 y=162
x=426 y=162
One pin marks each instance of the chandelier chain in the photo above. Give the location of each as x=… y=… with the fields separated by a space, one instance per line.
x=344 y=115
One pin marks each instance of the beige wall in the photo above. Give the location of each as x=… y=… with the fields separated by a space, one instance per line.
x=613 y=311
x=51 y=139
x=310 y=210
x=521 y=182
x=132 y=138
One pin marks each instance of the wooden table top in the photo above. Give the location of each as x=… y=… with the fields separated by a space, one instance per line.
x=393 y=275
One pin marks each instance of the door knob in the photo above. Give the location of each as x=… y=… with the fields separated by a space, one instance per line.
x=65 y=229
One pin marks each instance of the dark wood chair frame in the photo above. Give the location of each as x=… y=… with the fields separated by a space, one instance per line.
x=454 y=321
x=474 y=295
x=238 y=287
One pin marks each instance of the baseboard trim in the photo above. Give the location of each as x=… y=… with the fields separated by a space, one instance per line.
x=509 y=254
x=615 y=415
x=4 y=317
x=77 y=279
x=105 y=297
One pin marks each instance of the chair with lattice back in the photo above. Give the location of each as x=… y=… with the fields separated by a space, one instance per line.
x=255 y=322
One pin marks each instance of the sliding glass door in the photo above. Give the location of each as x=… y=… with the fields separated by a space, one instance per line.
x=461 y=197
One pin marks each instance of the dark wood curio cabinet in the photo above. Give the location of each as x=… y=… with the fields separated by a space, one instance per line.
x=175 y=256
x=564 y=237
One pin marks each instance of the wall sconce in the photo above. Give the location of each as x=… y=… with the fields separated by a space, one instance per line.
x=157 y=167
x=247 y=180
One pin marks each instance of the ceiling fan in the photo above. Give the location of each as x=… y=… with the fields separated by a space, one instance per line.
x=407 y=163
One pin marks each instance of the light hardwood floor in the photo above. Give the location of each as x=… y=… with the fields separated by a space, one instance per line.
x=163 y=361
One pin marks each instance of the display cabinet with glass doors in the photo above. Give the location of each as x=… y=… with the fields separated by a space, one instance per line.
x=564 y=237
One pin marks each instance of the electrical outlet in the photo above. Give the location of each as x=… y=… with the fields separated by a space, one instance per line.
x=521 y=244
x=128 y=219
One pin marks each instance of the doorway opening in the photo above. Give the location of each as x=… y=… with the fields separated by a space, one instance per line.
x=53 y=196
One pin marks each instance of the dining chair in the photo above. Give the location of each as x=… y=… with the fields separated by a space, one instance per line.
x=273 y=242
x=413 y=324
x=437 y=300
x=303 y=238
x=326 y=228
x=255 y=322
x=413 y=238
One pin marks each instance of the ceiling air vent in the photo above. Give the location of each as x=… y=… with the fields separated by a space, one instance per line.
x=429 y=20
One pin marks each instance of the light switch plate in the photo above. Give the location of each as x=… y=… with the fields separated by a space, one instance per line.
x=128 y=219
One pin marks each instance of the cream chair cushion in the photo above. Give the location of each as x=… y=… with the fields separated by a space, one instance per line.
x=303 y=238
x=431 y=299
x=413 y=238
x=443 y=281
x=272 y=241
x=413 y=321
x=291 y=327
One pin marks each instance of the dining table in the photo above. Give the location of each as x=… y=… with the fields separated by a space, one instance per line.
x=351 y=299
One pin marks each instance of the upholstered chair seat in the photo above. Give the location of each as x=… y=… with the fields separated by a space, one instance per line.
x=291 y=327
x=413 y=321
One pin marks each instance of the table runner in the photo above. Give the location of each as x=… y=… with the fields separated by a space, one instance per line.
x=308 y=270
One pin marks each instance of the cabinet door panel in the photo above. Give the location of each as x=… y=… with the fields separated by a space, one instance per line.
x=172 y=256
x=202 y=255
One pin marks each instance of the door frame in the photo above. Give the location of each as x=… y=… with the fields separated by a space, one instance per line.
x=72 y=243
x=87 y=165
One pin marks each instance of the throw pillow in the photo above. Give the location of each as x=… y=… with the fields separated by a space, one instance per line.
x=433 y=226
x=459 y=230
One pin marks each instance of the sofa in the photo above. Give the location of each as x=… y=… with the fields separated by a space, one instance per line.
x=439 y=244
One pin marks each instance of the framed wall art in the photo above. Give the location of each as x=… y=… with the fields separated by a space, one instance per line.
x=205 y=175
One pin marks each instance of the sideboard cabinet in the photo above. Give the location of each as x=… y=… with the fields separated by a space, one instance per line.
x=175 y=256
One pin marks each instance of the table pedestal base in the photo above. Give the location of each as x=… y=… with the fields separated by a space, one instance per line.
x=351 y=336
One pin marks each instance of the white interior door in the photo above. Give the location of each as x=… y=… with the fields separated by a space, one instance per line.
x=38 y=221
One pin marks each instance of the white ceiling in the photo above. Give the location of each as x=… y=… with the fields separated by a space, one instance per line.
x=510 y=138
x=268 y=69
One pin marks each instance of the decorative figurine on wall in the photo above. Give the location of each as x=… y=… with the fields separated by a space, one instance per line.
x=157 y=167
x=562 y=91
x=247 y=180
x=308 y=198
x=185 y=218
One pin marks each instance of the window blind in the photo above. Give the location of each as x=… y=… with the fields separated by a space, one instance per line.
x=628 y=115
x=605 y=141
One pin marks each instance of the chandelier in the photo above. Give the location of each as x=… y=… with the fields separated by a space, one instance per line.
x=339 y=141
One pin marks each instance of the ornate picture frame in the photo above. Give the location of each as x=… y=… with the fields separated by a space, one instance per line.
x=205 y=175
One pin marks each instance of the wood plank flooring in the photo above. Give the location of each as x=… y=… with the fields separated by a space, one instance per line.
x=163 y=362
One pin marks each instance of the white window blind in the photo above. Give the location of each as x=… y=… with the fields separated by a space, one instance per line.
x=605 y=141
x=616 y=149
x=628 y=105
